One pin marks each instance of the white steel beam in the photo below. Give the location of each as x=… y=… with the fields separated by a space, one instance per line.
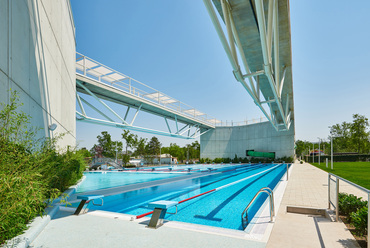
x=276 y=43
x=266 y=59
x=168 y=126
x=253 y=74
x=200 y=134
x=97 y=110
x=103 y=103
x=281 y=85
x=137 y=111
x=287 y=105
x=269 y=27
x=226 y=12
x=80 y=104
x=123 y=126
x=236 y=68
x=128 y=110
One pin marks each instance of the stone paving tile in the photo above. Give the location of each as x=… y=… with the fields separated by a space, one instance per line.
x=307 y=187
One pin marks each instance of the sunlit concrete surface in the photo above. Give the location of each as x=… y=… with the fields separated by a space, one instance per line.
x=37 y=48
x=226 y=142
x=307 y=187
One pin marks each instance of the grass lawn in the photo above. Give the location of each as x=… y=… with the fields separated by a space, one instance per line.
x=357 y=172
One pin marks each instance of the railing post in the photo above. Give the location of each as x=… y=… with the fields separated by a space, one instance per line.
x=129 y=83
x=337 y=201
x=84 y=58
x=287 y=172
x=368 y=220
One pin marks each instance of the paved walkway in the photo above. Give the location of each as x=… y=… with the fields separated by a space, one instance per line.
x=307 y=187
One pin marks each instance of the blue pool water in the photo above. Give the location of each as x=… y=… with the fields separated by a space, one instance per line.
x=221 y=208
x=103 y=180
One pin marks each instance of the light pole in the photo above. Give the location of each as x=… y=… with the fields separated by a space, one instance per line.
x=116 y=153
x=313 y=153
x=188 y=155
x=319 y=149
x=160 y=154
x=331 y=139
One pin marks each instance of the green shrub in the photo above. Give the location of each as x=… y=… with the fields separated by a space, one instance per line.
x=349 y=204
x=359 y=220
x=31 y=172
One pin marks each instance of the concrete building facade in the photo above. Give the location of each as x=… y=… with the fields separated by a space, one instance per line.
x=226 y=142
x=37 y=59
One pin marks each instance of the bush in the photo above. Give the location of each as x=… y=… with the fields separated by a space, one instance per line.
x=30 y=173
x=355 y=210
x=359 y=220
x=349 y=204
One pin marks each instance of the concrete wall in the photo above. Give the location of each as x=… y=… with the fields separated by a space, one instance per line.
x=37 y=59
x=225 y=142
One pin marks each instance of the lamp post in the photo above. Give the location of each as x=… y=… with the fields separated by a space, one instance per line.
x=319 y=149
x=160 y=154
x=313 y=153
x=116 y=153
x=331 y=139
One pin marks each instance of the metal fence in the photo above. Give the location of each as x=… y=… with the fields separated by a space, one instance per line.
x=333 y=196
x=241 y=123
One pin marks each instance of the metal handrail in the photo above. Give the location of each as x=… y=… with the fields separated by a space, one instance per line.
x=140 y=89
x=266 y=190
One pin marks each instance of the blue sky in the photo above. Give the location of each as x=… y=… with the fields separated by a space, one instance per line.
x=172 y=46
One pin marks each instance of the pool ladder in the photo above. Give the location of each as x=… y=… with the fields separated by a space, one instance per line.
x=266 y=190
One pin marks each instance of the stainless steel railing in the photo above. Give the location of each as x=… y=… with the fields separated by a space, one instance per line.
x=335 y=202
x=266 y=190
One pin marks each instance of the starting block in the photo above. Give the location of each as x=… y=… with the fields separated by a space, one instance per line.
x=85 y=199
x=160 y=209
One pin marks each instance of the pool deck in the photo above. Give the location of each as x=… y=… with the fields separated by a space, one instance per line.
x=307 y=187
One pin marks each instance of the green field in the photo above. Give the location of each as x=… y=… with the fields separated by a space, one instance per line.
x=357 y=172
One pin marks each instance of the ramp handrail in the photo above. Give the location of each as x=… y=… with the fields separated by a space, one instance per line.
x=266 y=190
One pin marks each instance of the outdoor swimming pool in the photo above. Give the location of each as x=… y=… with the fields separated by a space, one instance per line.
x=103 y=180
x=221 y=208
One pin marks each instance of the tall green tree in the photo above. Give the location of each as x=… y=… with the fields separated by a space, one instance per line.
x=176 y=151
x=130 y=138
x=359 y=135
x=153 y=146
x=195 y=150
x=140 y=148
x=105 y=141
x=341 y=137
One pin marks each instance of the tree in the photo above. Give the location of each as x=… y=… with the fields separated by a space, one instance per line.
x=131 y=139
x=105 y=141
x=301 y=147
x=176 y=151
x=359 y=135
x=351 y=137
x=195 y=150
x=153 y=146
x=140 y=147
x=341 y=137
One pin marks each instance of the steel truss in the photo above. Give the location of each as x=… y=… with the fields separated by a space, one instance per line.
x=186 y=132
x=273 y=109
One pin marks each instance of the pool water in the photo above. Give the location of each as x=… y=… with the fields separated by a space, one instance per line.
x=221 y=208
x=103 y=180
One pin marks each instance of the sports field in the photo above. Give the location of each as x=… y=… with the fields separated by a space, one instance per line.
x=357 y=172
